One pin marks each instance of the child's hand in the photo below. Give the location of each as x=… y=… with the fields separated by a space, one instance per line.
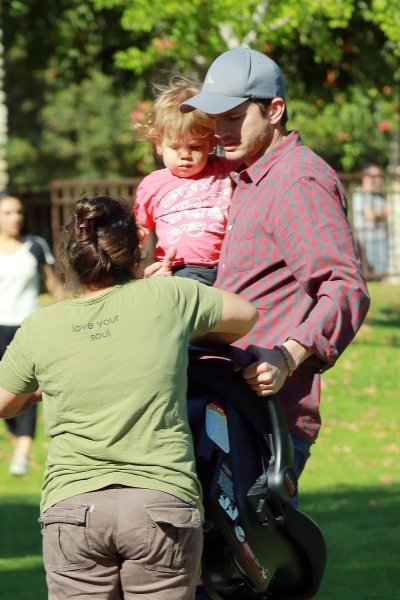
x=163 y=267
x=143 y=234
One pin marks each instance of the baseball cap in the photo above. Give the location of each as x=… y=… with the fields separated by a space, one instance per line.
x=234 y=77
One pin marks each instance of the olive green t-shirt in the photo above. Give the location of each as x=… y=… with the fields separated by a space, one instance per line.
x=113 y=374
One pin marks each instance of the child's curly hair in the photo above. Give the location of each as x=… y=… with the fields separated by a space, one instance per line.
x=165 y=118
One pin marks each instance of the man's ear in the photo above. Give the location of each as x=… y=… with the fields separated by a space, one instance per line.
x=276 y=109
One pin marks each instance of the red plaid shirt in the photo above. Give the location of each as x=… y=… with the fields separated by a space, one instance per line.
x=290 y=251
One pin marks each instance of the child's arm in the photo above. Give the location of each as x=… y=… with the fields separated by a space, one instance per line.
x=145 y=224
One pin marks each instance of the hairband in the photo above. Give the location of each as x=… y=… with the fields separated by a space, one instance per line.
x=88 y=225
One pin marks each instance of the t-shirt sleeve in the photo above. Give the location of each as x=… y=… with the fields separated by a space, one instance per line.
x=209 y=308
x=199 y=305
x=41 y=251
x=16 y=367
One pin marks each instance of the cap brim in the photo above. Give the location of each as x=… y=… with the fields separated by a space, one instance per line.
x=211 y=103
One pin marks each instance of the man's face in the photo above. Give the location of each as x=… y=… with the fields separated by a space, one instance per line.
x=373 y=180
x=244 y=132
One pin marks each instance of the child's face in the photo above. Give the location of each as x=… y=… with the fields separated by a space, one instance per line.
x=186 y=157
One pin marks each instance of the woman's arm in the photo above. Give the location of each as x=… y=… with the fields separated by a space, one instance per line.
x=51 y=282
x=11 y=404
x=237 y=318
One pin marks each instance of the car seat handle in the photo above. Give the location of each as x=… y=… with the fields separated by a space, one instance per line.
x=279 y=477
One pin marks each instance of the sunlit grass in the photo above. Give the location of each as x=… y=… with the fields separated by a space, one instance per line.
x=352 y=482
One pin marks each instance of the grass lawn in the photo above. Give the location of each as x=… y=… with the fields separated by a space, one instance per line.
x=351 y=485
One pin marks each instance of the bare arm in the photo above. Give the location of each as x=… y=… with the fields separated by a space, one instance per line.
x=164 y=267
x=237 y=318
x=11 y=404
x=148 y=245
x=51 y=282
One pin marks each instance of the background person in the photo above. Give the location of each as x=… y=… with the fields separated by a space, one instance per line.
x=370 y=220
x=187 y=202
x=121 y=502
x=25 y=262
x=288 y=248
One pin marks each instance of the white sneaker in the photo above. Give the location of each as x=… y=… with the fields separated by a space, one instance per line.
x=19 y=465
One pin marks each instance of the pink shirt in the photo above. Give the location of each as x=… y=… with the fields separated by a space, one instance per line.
x=190 y=214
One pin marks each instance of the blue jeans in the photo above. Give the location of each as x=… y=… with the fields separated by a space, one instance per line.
x=301 y=453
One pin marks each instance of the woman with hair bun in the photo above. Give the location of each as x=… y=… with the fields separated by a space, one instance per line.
x=121 y=503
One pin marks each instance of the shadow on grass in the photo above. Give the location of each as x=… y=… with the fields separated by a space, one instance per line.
x=23 y=584
x=392 y=341
x=19 y=529
x=361 y=530
x=360 y=526
x=21 y=570
x=389 y=317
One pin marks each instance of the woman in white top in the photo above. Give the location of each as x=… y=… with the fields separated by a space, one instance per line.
x=24 y=262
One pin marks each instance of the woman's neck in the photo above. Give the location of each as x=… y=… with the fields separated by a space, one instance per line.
x=9 y=244
x=93 y=291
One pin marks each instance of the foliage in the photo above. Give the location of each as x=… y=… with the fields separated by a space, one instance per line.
x=86 y=131
x=75 y=72
x=68 y=105
x=186 y=33
x=356 y=125
x=340 y=59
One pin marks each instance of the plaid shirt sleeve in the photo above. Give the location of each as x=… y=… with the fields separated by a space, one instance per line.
x=289 y=250
x=318 y=249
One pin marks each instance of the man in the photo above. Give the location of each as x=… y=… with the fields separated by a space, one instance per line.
x=288 y=247
x=370 y=217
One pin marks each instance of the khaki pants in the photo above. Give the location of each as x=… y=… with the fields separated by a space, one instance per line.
x=122 y=542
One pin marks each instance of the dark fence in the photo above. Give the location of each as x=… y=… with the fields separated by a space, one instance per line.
x=37 y=213
x=47 y=212
x=64 y=192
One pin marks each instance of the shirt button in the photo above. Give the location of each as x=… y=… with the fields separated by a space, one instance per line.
x=229 y=227
x=223 y=266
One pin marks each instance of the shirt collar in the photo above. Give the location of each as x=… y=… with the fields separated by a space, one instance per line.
x=262 y=166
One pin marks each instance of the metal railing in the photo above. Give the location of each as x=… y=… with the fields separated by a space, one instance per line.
x=46 y=213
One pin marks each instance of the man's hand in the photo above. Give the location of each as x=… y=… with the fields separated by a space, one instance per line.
x=267 y=375
x=163 y=267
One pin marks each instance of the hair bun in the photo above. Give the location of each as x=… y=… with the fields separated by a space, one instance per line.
x=87 y=225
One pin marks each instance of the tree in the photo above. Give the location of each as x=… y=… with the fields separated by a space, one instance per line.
x=68 y=104
x=3 y=123
x=77 y=73
x=340 y=59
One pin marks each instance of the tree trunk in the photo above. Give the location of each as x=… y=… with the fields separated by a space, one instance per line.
x=3 y=121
